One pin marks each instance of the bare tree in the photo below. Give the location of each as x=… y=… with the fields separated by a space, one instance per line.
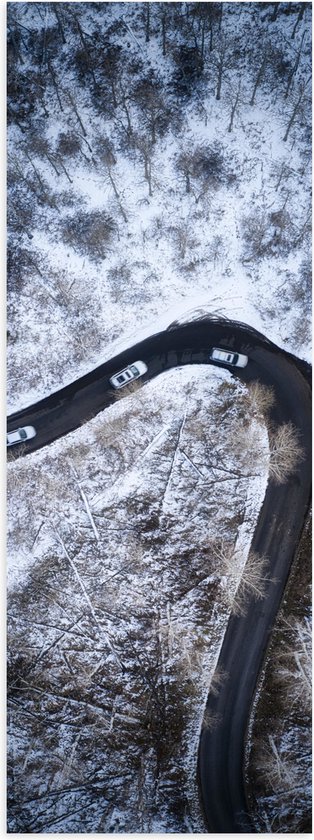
x=21 y=171
x=55 y=83
x=74 y=106
x=106 y=153
x=14 y=40
x=234 y=107
x=297 y=107
x=260 y=74
x=253 y=581
x=280 y=772
x=285 y=452
x=221 y=62
x=204 y=165
x=304 y=231
x=124 y=104
x=299 y=18
x=147 y=22
x=283 y=172
x=184 y=237
x=174 y=455
x=217 y=249
x=88 y=57
x=295 y=67
x=261 y=397
x=266 y=233
x=294 y=665
x=205 y=15
x=164 y=29
x=143 y=144
x=154 y=110
x=211 y=720
x=117 y=195
x=85 y=502
x=109 y=66
x=57 y=11
x=218 y=680
x=184 y=163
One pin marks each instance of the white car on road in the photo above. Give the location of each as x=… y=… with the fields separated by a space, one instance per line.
x=20 y=435
x=226 y=357
x=123 y=377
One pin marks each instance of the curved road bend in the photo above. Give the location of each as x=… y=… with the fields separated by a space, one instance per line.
x=277 y=534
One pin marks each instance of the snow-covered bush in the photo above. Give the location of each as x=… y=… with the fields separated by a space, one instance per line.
x=89 y=233
x=189 y=70
x=267 y=234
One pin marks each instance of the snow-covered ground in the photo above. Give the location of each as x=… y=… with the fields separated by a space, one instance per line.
x=119 y=583
x=236 y=243
x=131 y=206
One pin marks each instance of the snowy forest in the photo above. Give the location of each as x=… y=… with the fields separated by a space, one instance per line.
x=159 y=165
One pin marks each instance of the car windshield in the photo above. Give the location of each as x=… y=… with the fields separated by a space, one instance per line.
x=23 y=434
x=134 y=369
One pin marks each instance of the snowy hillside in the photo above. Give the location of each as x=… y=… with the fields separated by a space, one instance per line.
x=127 y=541
x=158 y=165
x=159 y=159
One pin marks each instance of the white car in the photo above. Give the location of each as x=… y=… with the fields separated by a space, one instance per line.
x=20 y=435
x=128 y=374
x=228 y=358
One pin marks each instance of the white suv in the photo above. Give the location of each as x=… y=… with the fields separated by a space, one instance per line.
x=228 y=358
x=125 y=376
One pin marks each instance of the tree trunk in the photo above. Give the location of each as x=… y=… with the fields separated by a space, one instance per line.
x=87 y=52
x=220 y=74
x=153 y=128
x=113 y=91
x=163 y=29
x=282 y=170
x=54 y=81
x=15 y=119
x=298 y=20
x=233 y=110
x=258 y=79
x=87 y=143
x=274 y=13
x=64 y=169
x=117 y=195
x=52 y=163
x=15 y=46
x=54 y=8
x=293 y=115
x=295 y=67
x=220 y=16
x=203 y=39
x=147 y=22
x=35 y=170
x=148 y=173
x=125 y=107
x=77 y=113
x=44 y=48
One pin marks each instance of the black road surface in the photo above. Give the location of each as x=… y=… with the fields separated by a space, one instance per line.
x=278 y=531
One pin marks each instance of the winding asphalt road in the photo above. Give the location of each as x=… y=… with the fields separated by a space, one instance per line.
x=278 y=531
